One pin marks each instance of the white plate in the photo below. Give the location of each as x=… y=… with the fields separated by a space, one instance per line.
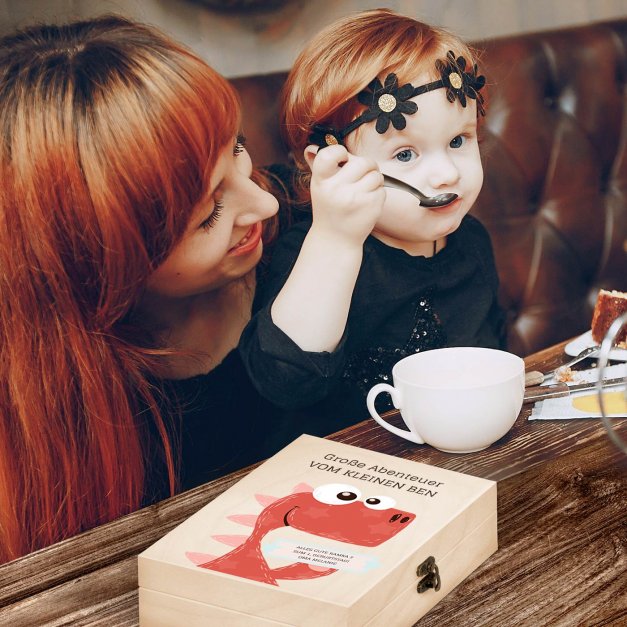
x=584 y=341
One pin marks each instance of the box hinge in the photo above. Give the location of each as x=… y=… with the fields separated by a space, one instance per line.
x=430 y=574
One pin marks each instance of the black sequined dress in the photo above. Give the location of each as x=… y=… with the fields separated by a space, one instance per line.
x=401 y=305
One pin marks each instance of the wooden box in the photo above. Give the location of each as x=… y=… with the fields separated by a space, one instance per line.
x=321 y=534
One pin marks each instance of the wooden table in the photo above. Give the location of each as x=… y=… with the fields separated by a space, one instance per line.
x=562 y=558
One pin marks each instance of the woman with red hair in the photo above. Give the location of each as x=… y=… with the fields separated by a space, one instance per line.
x=130 y=228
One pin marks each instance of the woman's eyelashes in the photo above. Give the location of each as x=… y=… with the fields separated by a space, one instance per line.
x=218 y=205
x=213 y=216
x=240 y=144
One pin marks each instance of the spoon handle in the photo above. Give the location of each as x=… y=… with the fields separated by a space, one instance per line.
x=390 y=181
x=587 y=352
x=426 y=201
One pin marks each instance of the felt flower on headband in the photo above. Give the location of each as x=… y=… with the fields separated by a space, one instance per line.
x=324 y=136
x=458 y=82
x=387 y=103
x=390 y=103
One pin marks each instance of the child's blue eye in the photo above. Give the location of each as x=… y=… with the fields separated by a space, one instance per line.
x=405 y=155
x=457 y=142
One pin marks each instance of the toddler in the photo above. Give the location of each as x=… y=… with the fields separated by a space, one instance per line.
x=373 y=275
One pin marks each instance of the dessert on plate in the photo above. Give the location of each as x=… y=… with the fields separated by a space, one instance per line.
x=609 y=305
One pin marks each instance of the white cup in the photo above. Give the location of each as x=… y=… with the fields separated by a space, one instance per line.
x=458 y=400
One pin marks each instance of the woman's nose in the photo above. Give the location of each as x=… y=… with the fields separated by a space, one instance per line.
x=257 y=205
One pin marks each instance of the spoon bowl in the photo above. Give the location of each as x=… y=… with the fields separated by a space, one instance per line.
x=426 y=201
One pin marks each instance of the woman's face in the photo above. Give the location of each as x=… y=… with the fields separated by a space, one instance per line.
x=222 y=241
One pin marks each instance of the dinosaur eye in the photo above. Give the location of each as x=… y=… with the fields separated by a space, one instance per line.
x=379 y=502
x=336 y=494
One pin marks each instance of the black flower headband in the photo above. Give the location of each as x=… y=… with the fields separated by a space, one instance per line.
x=390 y=103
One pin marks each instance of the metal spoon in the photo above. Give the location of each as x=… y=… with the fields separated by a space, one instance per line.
x=587 y=352
x=426 y=201
x=535 y=377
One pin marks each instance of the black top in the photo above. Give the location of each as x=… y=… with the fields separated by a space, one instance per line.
x=401 y=305
x=220 y=424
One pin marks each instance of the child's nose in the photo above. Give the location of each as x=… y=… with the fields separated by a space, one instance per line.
x=443 y=172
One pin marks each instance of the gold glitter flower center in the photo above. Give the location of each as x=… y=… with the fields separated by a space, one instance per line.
x=455 y=79
x=387 y=102
x=330 y=139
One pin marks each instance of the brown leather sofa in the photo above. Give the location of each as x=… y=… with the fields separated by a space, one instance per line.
x=555 y=158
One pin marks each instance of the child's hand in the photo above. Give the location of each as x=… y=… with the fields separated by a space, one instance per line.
x=347 y=194
x=347 y=198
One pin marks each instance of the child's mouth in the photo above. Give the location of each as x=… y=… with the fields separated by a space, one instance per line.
x=448 y=207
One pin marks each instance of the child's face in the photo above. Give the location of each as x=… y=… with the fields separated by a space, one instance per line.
x=223 y=239
x=437 y=152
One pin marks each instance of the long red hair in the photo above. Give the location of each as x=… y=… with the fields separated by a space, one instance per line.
x=343 y=58
x=109 y=132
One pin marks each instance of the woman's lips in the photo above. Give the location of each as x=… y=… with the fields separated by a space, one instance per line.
x=249 y=242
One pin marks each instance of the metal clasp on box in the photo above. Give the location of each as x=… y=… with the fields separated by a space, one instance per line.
x=430 y=574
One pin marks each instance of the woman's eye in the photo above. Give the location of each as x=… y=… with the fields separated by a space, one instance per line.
x=457 y=141
x=240 y=143
x=405 y=155
x=213 y=217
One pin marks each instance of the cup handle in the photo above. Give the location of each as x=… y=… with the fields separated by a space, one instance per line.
x=396 y=399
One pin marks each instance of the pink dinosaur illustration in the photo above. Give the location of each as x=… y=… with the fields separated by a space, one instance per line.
x=334 y=511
